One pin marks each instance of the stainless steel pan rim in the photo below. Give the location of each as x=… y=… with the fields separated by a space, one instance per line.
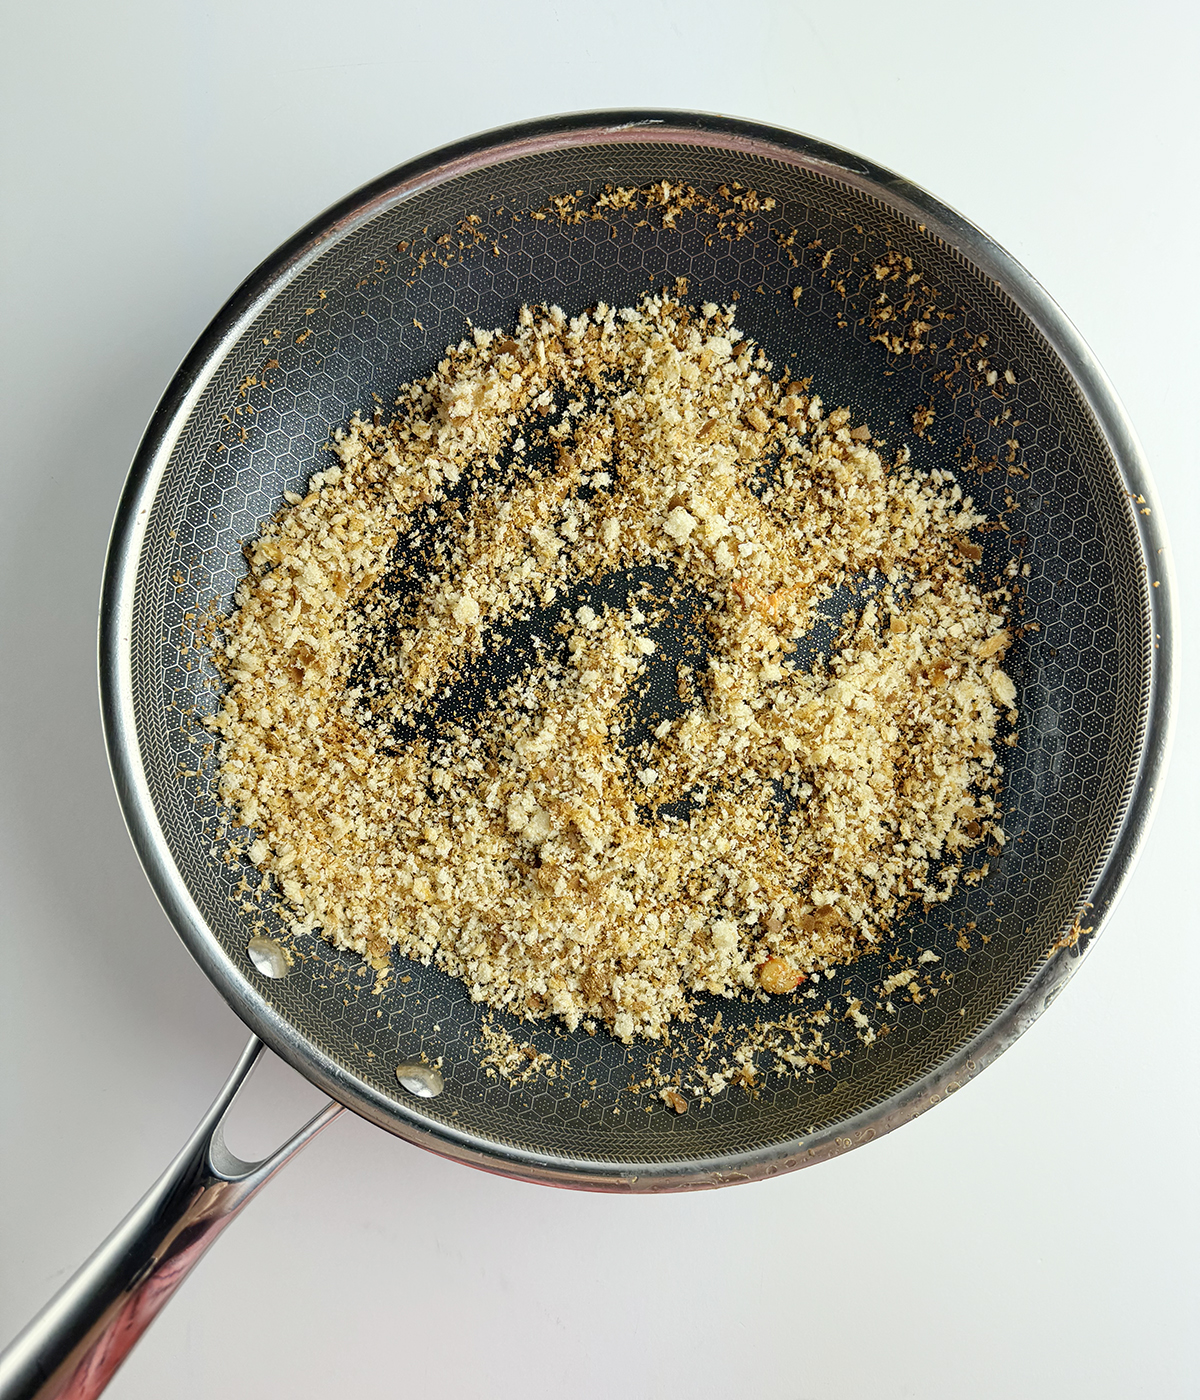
x=262 y=286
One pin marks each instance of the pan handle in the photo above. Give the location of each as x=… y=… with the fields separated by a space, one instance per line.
x=74 y=1345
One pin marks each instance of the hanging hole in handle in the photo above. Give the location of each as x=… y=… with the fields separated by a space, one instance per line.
x=271 y=1105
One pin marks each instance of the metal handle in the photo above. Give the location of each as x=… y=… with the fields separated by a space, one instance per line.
x=74 y=1345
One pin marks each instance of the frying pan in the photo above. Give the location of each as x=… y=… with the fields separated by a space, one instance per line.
x=966 y=359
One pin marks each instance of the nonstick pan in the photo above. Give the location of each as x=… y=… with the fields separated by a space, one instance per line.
x=899 y=309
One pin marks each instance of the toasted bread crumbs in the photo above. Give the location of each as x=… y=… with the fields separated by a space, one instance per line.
x=607 y=482
x=501 y=1056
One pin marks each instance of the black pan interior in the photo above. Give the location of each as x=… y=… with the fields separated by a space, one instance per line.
x=365 y=317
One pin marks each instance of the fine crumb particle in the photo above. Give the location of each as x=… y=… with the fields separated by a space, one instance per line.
x=768 y=829
x=1003 y=688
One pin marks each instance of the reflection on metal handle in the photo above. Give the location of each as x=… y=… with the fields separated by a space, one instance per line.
x=75 y=1344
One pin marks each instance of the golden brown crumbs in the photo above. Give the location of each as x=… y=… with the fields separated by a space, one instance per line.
x=502 y=1056
x=1072 y=936
x=535 y=843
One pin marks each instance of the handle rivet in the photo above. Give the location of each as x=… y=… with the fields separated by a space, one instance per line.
x=423 y=1080
x=268 y=956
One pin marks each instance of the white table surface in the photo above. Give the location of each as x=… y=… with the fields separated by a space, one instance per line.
x=1036 y=1236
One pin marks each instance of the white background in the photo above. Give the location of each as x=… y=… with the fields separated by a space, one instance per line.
x=1036 y=1236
